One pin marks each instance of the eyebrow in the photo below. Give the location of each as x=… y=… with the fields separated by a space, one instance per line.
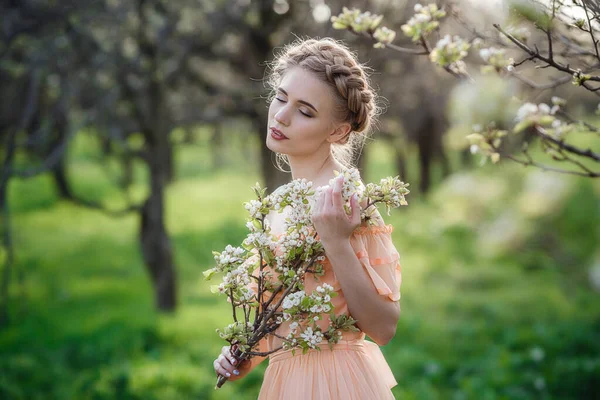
x=300 y=101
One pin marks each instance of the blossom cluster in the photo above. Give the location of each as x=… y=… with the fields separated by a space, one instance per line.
x=237 y=330
x=425 y=21
x=364 y=22
x=449 y=52
x=543 y=116
x=231 y=263
x=579 y=78
x=299 y=240
x=357 y=21
x=390 y=191
x=304 y=311
x=229 y=259
x=486 y=141
x=495 y=58
x=352 y=185
x=384 y=36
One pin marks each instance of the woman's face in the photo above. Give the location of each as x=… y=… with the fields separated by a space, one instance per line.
x=300 y=115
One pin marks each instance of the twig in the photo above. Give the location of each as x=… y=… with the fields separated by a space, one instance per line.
x=571 y=149
x=572 y=120
x=391 y=46
x=536 y=54
x=547 y=168
x=591 y=31
x=543 y=86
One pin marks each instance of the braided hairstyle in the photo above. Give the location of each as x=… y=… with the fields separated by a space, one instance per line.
x=333 y=63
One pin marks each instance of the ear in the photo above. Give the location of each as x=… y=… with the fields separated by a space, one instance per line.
x=340 y=134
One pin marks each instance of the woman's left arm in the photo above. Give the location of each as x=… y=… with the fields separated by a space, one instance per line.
x=377 y=315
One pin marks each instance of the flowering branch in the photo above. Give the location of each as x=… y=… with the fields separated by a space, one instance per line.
x=283 y=263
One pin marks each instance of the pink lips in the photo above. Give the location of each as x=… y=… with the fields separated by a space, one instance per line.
x=277 y=134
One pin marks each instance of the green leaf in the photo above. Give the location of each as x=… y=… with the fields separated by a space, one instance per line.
x=306 y=302
x=546 y=120
x=521 y=126
x=209 y=273
x=339 y=25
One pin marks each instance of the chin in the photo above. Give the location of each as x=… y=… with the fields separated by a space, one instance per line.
x=275 y=146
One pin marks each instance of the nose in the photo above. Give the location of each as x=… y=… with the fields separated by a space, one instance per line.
x=282 y=116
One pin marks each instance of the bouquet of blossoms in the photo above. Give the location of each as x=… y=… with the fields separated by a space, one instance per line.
x=263 y=279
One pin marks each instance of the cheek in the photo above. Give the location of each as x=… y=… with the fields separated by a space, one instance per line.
x=271 y=112
x=274 y=107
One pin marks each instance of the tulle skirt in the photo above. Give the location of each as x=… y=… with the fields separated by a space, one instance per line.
x=353 y=370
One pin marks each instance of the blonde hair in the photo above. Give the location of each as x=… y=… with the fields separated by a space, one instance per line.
x=333 y=63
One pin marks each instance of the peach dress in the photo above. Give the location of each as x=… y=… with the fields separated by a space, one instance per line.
x=355 y=369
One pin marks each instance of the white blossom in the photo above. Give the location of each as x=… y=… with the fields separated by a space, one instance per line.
x=312 y=338
x=526 y=110
x=293 y=300
x=253 y=207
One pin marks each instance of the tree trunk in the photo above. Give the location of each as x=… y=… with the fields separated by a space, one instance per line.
x=59 y=173
x=155 y=243
x=154 y=240
x=400 y=162
x=425 y=143
x=216 y=144
x=5 y=225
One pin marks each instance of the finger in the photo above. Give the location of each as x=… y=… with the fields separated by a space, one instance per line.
x=327 y=202
x=336 y=197
x=227 y=365
x=230 y=356
x=355 y=209
x=220 y=370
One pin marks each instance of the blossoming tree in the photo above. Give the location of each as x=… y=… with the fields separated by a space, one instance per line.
x=572 y=33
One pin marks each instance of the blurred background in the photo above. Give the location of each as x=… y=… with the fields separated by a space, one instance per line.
x=131 y=133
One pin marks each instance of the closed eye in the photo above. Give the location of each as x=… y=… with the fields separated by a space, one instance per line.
x=301 y=112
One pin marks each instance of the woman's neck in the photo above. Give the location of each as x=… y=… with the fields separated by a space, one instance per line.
x=318 y=169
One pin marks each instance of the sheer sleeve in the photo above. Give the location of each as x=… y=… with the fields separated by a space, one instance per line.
x=378 y=255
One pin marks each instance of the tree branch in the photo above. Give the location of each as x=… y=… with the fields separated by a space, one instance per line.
x=536 y=54
x=591 y=31
x=563 y=145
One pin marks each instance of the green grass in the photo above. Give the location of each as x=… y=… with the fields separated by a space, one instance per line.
x=514 y=321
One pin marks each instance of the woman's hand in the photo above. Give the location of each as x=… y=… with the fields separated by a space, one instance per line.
x=329 y=217
x=226 y=365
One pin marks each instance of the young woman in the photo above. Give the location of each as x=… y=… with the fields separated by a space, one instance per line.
x=322 y=106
